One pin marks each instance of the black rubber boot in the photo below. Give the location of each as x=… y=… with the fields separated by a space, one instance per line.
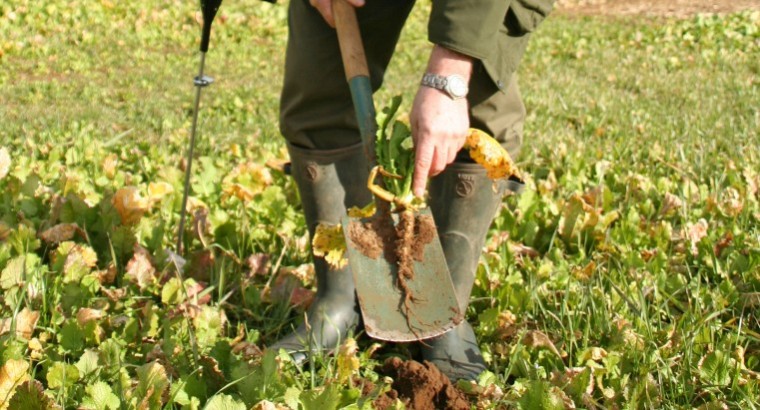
x=464 y=202
x=329 y=182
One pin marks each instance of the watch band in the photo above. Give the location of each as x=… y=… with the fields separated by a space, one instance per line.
x=453 y=85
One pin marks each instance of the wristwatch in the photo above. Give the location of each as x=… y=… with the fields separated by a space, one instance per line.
x=453 y=85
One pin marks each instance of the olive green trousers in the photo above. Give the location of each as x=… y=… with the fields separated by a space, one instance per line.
x=316 y=111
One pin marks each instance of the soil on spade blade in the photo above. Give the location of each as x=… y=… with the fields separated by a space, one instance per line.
x=420 y=386
x=378 y=237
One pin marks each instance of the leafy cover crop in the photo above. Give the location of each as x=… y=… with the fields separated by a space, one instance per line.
x=626 y=276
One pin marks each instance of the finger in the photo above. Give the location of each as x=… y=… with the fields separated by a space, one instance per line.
x=423 y=161
x=453 y=151
x=439 y=162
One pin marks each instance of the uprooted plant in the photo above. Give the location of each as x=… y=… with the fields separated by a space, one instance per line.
x=390 y=181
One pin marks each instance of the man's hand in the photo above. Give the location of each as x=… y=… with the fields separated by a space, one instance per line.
x=439 y=124
x=325 y=8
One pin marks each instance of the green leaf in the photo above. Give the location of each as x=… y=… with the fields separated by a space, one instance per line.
x=71 y=337
x=29 y=396
x=100 y=396
x=326 y=399
x=291 y=398
x=152 y=382
x=539 y=396
x=171 y=294
x=63 y=375
x=18 y=270
x=88 y=363
x=716 y=368
x=224 y=402
x=24 y=239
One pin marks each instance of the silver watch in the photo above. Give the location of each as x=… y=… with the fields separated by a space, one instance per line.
x=454 y=85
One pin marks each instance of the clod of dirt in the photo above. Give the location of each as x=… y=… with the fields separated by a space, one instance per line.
x=420 y=386
x=424 y=233
x=365 y=238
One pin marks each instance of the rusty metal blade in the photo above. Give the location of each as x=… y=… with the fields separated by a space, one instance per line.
x=431 y=312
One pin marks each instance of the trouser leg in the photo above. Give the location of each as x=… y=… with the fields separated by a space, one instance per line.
x=318 y=121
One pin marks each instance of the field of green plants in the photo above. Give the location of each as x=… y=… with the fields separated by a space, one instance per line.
x=627 y=275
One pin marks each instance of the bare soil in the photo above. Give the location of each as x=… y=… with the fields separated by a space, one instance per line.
x=420 y=386
x=654 y=8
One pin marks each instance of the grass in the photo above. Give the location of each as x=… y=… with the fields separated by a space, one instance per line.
x=608 y=292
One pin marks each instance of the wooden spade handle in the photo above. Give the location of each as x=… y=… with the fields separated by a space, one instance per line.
x=351 y=47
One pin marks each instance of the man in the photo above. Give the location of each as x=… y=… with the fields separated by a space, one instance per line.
x=469 y=82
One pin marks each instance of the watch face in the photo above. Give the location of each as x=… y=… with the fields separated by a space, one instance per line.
x=456 y=86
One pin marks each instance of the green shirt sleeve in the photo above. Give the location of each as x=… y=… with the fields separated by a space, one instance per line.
x=493 y=31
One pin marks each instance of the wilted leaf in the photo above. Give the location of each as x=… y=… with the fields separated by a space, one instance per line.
x=330 y=244
x=670 y=204
x=86 y=315
x=140 y=270
x=595 y=354
x=694 y=233
x=12 y=374
x=268 y=405
x=26 y=321
x=301 y=297
x=348 y=362
x=537 y=338
x=731 y=203
x=60 y=233
x=130 y=205
x=258 y=264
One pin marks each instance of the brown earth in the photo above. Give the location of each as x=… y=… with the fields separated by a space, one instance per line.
x=654 y=8
x=420 y=386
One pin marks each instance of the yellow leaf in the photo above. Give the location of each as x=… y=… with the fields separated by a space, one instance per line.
x=246 y=181
x=12 y=374
x=348 y=363
x=330 y=244
x=366 y=212
x=487 y=152
x=130 y=205
x=585 y=272
x=5 y=162
x=158 y=190
x=109 y=165
x=59 y=233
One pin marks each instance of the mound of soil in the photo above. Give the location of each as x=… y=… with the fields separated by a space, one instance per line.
x=420 y=386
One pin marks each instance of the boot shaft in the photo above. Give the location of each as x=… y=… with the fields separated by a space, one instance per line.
x=464 y=202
